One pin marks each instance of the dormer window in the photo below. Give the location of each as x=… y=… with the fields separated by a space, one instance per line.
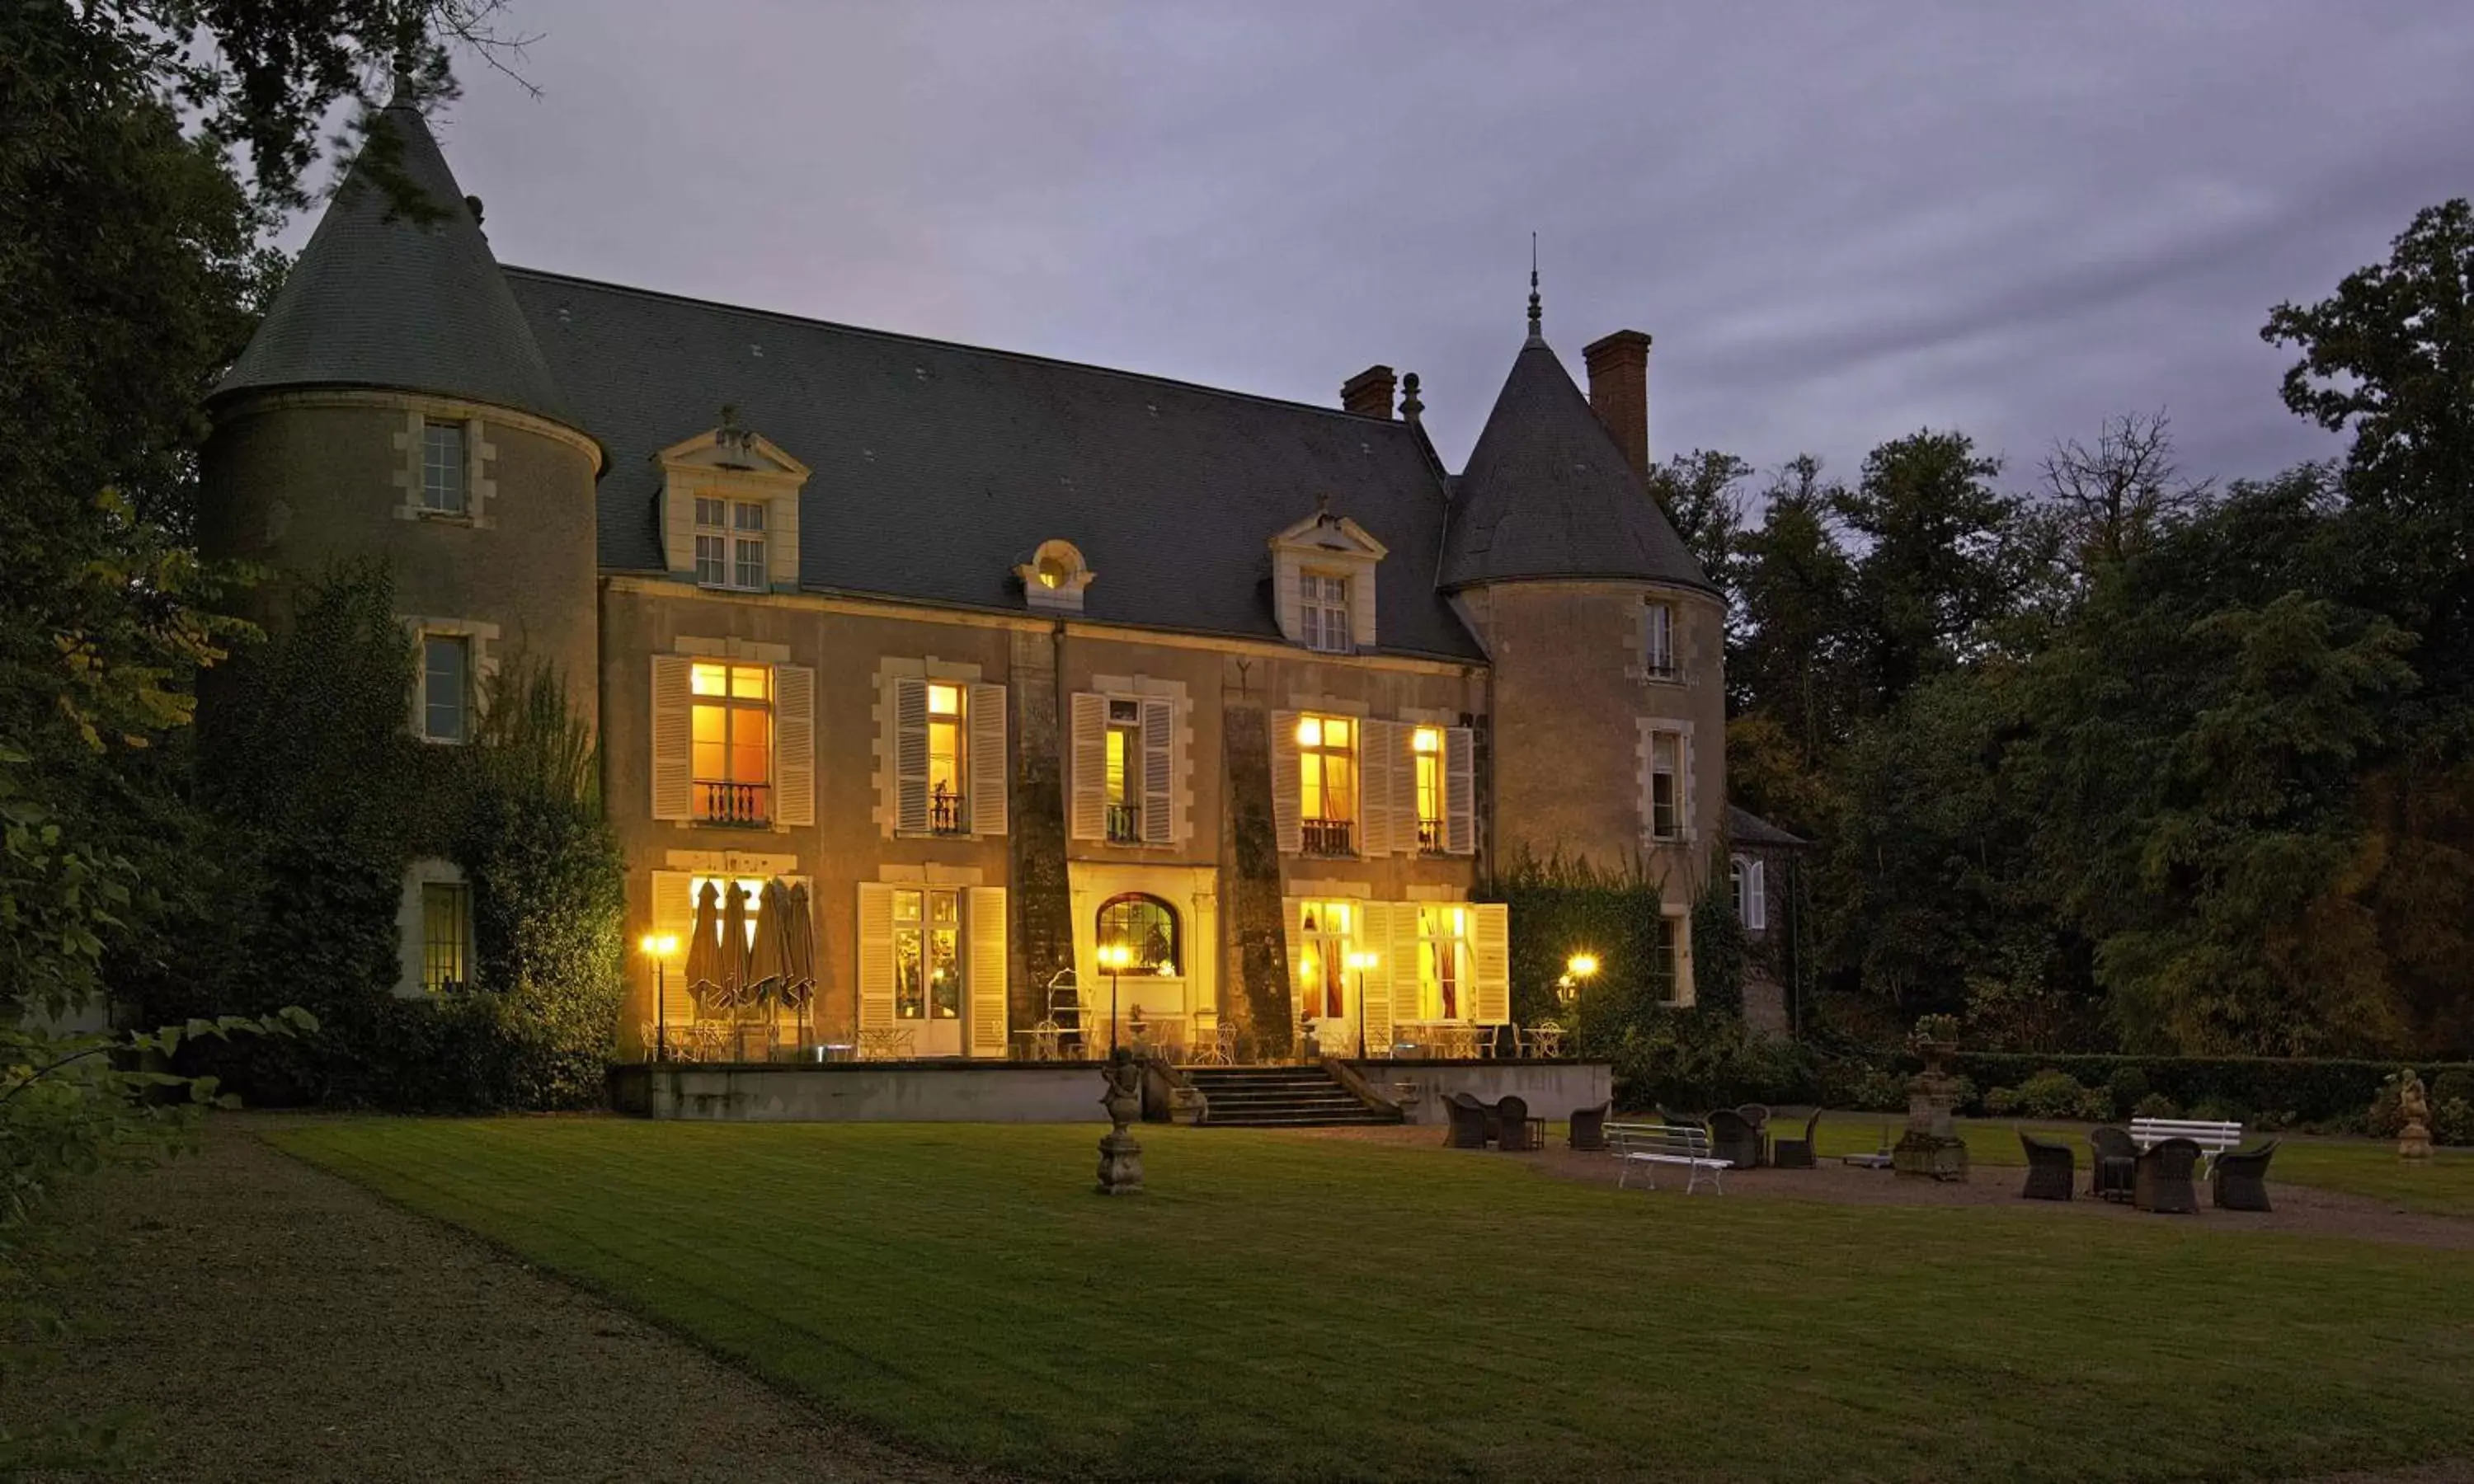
x=1323 y=612
x=1055 y=577
x=730 y=543
x=1322 y=581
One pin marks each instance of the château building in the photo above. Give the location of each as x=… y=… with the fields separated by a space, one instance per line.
x=1002 y=658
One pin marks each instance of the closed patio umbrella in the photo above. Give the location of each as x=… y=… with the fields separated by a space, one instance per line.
x=765 y=959
x=704 y=966
x=798 y=953
x=732 y=948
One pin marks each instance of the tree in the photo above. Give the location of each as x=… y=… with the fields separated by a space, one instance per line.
x=2113 y=499
x=1701 y=492
x=1793 y=652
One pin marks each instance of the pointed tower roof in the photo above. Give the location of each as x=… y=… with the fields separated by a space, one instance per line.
x=1548 y=493
x=378 y=299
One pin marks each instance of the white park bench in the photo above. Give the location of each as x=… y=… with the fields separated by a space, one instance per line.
x=1653 y=1144
x=2213 y=1138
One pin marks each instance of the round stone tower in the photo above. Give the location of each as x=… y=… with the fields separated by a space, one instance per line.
x=1609 y=739
x=396 y=406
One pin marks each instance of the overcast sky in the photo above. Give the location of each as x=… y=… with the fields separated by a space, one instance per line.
x=1841 y=222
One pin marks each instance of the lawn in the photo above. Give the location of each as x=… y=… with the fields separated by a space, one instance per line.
x=1282 y=1308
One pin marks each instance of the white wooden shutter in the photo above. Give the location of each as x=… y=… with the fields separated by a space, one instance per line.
x=1286 y=820
x=1683 y=787
x=911 y=754
x=673 y=912
x=673 y=759
x=1460 y=791
x=1756 y=896
x=1490 y=949
x=1087 y=816
x=875 y=956
x=1373 y=930
x=991 y=771
x=1374 y=796
x=795 y=744
x=1408 y=959
x=1159 y=740
x=1293 y=935
x=988 y=959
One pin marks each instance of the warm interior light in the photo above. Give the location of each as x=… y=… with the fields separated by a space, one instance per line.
x=944 y=701
x=1309 y=732
x=1361 y=960
x=1429 y=740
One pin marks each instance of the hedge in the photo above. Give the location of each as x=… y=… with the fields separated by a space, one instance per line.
x=2292 y=1090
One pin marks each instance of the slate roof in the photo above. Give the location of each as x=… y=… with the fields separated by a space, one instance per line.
x=376 y=300
x=1548 y=493
x=937 y=468
x=1745 y=827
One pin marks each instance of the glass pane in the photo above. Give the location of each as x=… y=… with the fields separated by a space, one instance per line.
x=946 y=906
x=1309 y=732
x=1337 y=790
x=1335 y=733
x=944 y=701
x=751 y=745
x=906 y=906
x=944 y=758
x=710 y=726
x=751 y=681
x=751 y=572
x=748 y=516
x=709 y=513
x=1116 y=778
x=713 y=562
x=443 y=688
x=1310 y=786
x=944 y=976
x=709 y=680
x=910 y=1001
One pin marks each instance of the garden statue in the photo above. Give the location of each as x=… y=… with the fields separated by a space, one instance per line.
x=1931 y=1146
x=2414 y=1113
x=1120 y=1158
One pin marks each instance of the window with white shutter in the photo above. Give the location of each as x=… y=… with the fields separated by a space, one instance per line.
x=1089 y=815
x=985 y=705
x=673 y=777
x=794 y=740
x=988 y=970
x=1286 y=821
x=1160 y=747
x=1490 y=949
x=1460 y=790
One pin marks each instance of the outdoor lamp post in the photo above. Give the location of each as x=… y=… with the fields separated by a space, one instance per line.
x=1578 y=970
x=659 y=947
x=1115 y=957
x=1361 y=960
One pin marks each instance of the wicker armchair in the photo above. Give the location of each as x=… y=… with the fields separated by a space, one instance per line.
x=2116 y=1160
x=1757 y=1114
x=1481 y=1117
x=2239 y=1181
x=2053 y=1169
x=2162 y=1180
x=1734 y=1138
x=1799 y=1153
x=1588 y=1128
x=1516 y=1129
x=1467 y=1117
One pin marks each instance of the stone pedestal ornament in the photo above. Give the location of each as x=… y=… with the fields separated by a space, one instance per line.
x=1931 y=1148
x=1120 y=1158
x=2413 y=1112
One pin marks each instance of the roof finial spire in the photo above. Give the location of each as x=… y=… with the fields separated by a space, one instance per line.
x=1536 y=317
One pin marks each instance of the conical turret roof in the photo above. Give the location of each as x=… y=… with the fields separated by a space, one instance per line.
x=1547 y=493
x=378 y=299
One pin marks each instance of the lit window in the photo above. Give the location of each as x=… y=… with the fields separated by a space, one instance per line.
x=1324 y=940
x=1322 y=614
x=445 y=686
x=1428 y=744
x=442 y=467
x=731 y=726
x=1326 y=782
x=445 y=935
x=1443 y=962
x=730 y=543
x=945 y=759
x=1657 y=639
x=1665 y=797
x=1123 y=788
x=927 y=957
x=1145 y=924
x=751 y=890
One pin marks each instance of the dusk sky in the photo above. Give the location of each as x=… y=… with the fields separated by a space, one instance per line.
x=1841 y=222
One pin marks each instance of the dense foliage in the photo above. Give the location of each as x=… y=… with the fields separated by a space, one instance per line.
x=2127 y=761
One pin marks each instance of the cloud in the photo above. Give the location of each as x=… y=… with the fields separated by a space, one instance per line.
x=1840 y=220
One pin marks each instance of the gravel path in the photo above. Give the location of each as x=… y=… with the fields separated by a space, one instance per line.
x=275 y=1323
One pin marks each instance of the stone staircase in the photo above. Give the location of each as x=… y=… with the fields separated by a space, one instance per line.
x=1280 y=1098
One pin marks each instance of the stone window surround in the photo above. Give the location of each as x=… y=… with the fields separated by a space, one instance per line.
x=1326 y=545
x=480 y=487
x=1066 y=597
x=1635 y=640
x=1686 y=798
x=1181 y=784
x=483 y=640
x=409 y=926
x=888 y=668
x=688 y=469
x=752 y=652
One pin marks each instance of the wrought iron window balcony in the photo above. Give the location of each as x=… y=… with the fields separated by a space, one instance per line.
x=946 y=814
x=737 y=805
x=1125 y=823
x=1430 y=837
x=1326 y=837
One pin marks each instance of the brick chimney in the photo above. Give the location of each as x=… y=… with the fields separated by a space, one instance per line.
x=1368 y=393
x=1619 y=393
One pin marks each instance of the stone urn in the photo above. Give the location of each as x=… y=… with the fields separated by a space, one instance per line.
x=1120 y=1158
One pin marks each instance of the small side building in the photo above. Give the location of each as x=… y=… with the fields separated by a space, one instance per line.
x=1764 y=875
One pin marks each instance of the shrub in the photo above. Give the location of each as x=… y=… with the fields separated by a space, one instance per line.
x=2312 y=1091
x=2452 y=1122
x=1879 y=1089
x=2156 y=1105
x=2456 y=1084
x=2126 y=1086
x=2050 y=1094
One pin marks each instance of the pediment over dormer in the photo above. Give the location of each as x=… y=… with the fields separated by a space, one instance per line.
x=1324 y=532
x=730 y=509
x=1322 y=581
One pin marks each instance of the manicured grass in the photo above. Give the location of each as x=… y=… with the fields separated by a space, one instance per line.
x=2443 y=1187
x=1282 y=1308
